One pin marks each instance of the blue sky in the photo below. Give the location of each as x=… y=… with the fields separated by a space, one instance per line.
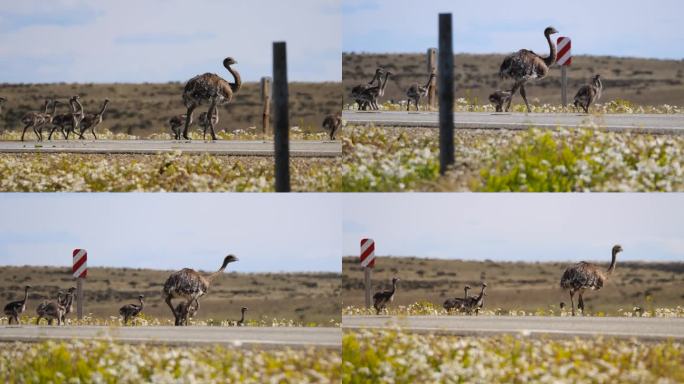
x=165 y=40
x=526 y=227
x=607 y=27
x=268 y=232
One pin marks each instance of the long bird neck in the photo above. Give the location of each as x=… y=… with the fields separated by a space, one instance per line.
x=242 y=317
x=394 y=287
x=104 y=106
x=599 y=87
x=238 y=80
x=384 y=83
x=54 y=108
x=481 y=293
x=26 y=295
x=141 y=303
x=429 y=81
x=80 y=108
x=611 y=268
x=213 y=275
x=466 y=293
x=46 y=106
x=375 y=78
x=551 y=59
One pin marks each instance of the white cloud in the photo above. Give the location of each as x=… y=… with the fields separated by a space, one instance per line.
x=268 y=232
x=169 y=40
x=611 y=27
x=518 y=226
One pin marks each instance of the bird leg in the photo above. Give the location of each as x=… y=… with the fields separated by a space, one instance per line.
x=524 y=96
x=513 y=91
x=210 y=117
x=168 y=302
x=580 y=305
x=572 y=302
x=188 y=118
x=25 y=128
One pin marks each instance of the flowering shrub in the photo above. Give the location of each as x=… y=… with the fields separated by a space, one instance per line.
x=393 y=356
x=399 y=159
x=142 y=320
x=614 y=107
x=109 y=362
x=164 y=172
x=425 y=308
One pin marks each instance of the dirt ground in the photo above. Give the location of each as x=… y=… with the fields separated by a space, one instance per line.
x=515 y=285
x=303 y=297
x=641 y=81
x=143 y=109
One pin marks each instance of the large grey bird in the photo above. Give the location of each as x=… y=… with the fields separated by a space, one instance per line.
x=382 y=298
x=191 y=285
x=526 y=65
x=581 y=276
x=14 y=309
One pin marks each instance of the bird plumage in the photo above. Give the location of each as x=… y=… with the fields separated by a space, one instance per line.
x=588 y=94
x=332 y=124
x=14 y=309
x=382 y=298
x=190 y=284
x=583 y=275
x=526 y=65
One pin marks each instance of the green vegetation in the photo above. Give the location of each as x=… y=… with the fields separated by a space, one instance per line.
x=393 y=356
x=561 y=160
x=107 y=362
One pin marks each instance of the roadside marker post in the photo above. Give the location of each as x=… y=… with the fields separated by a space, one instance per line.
x=281 y=119
x=367 y=259
x=432 y=68
x=80 y=272
x=564 y=60
x=266 y=101
x=445 y=77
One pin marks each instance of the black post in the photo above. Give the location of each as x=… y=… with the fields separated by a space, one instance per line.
x=445 y=76
x=281 y=121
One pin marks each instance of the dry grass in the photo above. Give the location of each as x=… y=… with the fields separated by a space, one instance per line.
x=642 y=81
x=144 y=109
x=515 y=285
x=302 y=297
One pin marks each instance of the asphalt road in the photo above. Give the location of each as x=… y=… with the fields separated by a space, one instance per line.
x=303 y=148
x=660 y=124
x=646 y=328
x=263 y=337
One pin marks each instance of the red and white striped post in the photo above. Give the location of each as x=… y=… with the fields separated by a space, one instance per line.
x=564 y=59
x=80 y=271
x=367 y=258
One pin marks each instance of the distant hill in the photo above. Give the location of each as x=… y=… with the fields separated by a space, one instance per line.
x=515 y=285
x=142 y=109
x=641 y=81
x=305 y=297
